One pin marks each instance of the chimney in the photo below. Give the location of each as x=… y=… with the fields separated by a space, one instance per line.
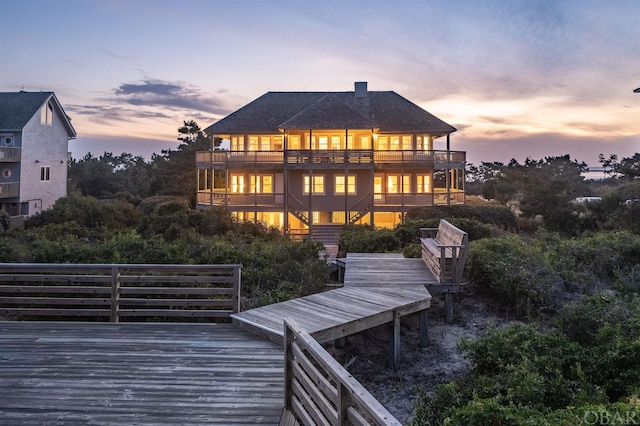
x=361 y=89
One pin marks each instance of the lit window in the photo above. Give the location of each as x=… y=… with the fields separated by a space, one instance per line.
x=277 y=143
x=46 y=114
x=392 y=184
x=237 y=143
x=323 y=142
x=406 y=184
x=318 y=184
x=383 y=143
x=406 y=143
x=253 y=143
x=265 y=143
x=335 y=142
x=340 y=184
x=395 y=143
x=365 y=142
x=237 y=183
x=294 y=142
x=261 y=184
x=424 y=184
x=350 y=142
x=45 y=173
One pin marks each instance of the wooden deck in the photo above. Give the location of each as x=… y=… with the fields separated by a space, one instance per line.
x=142 y=374
x=394 y=270
x=335 y=313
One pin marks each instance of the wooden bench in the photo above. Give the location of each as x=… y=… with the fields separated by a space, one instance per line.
x=444 y=250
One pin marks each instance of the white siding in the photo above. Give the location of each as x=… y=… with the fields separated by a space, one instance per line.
x=43 y=145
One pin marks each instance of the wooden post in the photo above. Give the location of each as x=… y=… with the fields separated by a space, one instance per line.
x=394 y=342
x=288 y=359
x=115 y=294
x=448 y=308
x=424 y=328
x=237 y=279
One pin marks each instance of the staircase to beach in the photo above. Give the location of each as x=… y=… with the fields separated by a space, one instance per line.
x=328 y=235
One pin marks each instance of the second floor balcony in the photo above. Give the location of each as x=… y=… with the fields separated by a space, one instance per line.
x=9 y=190
x=10 y=154
x=304 y=159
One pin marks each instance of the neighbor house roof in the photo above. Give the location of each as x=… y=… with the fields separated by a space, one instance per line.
x=637 y=90
x=17 y=108
x=386 y=111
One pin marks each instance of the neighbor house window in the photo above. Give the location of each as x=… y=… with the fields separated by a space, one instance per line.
x=318 y=184
x=45 y=173
x=342 y=184
x=237 y=183
x=261 y=184
x=46 y=114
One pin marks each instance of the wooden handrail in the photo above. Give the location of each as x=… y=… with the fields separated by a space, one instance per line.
x=318 y=390
x=116 y=291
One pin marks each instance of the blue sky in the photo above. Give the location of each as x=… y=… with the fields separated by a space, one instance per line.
x=517 y=78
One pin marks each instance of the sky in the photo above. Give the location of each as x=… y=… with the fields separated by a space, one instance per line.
x=518 y=79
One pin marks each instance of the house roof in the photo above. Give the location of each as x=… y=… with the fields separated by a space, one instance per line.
x=637 y=90
x=386 y=111
x=17 y=108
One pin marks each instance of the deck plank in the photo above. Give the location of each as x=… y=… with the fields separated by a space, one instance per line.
x=150 y=373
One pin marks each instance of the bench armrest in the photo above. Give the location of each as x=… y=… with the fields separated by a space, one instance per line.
x=428 y=232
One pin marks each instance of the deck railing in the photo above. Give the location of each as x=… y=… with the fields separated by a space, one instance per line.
x=118 y=291
x=9 y=189
x=318 y=390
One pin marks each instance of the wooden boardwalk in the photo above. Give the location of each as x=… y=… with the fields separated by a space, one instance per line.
x=137 y=373
x=385 y=269
x=337 y=313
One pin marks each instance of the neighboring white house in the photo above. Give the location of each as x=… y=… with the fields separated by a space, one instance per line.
x=34 y=138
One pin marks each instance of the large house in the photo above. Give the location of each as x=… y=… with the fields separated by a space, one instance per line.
x=303 y=161
x=34 y=137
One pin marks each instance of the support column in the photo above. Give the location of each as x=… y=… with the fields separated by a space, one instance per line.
x=394 y=342
x=424 y=328
x=448 y=308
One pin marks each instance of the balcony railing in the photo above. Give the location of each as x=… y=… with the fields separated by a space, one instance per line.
x=307 y=157
x=10 y=154
x=230 y=199
x=9 y=190
x=218 y=198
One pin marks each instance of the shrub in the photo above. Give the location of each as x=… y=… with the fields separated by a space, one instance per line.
x=514 y=272
x=367 y=239
x=491 y=214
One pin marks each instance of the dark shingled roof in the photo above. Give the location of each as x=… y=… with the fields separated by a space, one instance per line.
x=17 y=108
x=386 y=111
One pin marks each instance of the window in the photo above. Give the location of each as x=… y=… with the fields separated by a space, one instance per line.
x=406 y=184
x=294 y=142
x=349 y=142
x=253 y=143
x=335 y=142
x=45 y=173
x=6 y=173
x=237 y=143
x=406 y=143
x=424 y=184
x=383 y=143
x=265 y=143
x=277 y=143
x=46 y=114
x=261 y=184
x=204 y=179
x=323 y=142
x=237 y=183
x=340 y=184
x=318 y=184
x=392 y=184
x=395 y=143
x=365 y=142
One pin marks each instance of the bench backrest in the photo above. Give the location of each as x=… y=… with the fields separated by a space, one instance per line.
x=451 y=235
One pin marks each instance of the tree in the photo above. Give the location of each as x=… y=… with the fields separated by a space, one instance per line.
x=628 y=168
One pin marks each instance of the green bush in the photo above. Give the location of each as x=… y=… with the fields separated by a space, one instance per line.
x=514 y=272
x=367 y=239
x=492 y=214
